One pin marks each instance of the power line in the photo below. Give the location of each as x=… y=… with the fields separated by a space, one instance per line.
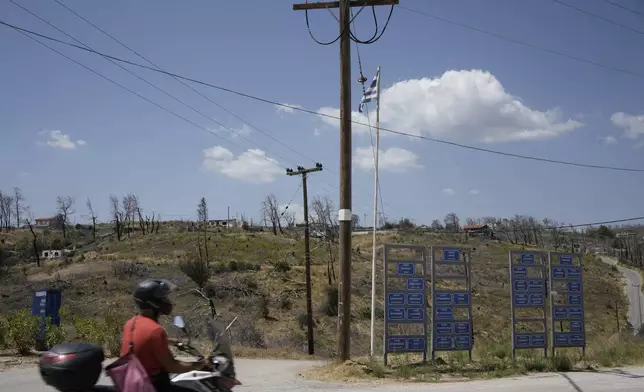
x=624 y=7
x=142 y=79
x=181 y=81
x=583 y=11
x=524 y=43
x=256 y=98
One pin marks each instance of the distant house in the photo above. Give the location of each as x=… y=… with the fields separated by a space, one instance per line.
x=45 y=222
x=477 y=229
x=225 y=223
x=51 y=254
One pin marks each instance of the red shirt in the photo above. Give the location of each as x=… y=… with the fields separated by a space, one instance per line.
x=150 y=342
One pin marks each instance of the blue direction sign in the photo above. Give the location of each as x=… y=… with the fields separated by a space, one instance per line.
x=461 y=299
x=527 y=258
x=444 y=343
x=567 y=267
x=415 y=284
x=528 y=280
x=406 y=305
x=396 y=299
x=443 y=299
x=451 y=254
x=451 y=331
x=406 y=269
x=415 y=299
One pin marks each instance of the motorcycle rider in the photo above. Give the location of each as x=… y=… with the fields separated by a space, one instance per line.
x=151 y=343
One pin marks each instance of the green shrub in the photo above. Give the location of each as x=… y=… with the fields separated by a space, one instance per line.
x=114 y=323
x=281 y=267
x=54 y=334
x=22 y=330
x=90 y=330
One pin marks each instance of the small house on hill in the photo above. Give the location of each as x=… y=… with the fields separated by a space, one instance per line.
x=477 y=229
x=45 y=222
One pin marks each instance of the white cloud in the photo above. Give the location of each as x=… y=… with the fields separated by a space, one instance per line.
x=393 y=159
x=609 y=140
x=294 y=208
x=287 y=109
x=57 y=139
x=633 y=126
x=470 y=105
x=251 y=166
x=448 y=191
x=317 y=132
x=474 y=192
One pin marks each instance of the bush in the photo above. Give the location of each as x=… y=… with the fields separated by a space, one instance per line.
x=281 y=267
x=114 y=323
x=90 y=330
x=54 y=334
x=22 y=330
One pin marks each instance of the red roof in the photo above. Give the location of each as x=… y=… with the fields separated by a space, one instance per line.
x=474 y=227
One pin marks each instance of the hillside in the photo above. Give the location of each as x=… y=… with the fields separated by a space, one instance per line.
x=259 y=278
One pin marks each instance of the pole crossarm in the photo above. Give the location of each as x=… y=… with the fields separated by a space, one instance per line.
x=336 y=4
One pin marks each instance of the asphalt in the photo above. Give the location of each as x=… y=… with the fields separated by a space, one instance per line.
x=632 y=289
x=281 y=375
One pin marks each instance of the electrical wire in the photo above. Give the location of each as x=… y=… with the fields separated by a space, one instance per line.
x=182 y=82
x=143 y=79
x=291 y=201
x=524 y=43
x=583 y=11
x=376 y=37
x=304 y=110
x=623 y=7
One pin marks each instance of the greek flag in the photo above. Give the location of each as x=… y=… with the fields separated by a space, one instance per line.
x=371 y=93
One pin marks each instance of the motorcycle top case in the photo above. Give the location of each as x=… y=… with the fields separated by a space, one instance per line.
x=74 y=366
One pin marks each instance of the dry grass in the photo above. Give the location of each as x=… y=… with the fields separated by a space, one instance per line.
x=260 y=279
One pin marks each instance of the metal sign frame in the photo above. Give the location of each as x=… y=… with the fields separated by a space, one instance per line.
x=528 y=293
x=408 y=306
x=449 y=334
x=567 y=267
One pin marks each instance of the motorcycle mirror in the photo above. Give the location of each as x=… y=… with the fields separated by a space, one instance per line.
x=179 y=323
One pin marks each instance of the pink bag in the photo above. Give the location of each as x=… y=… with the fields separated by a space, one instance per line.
x=127 y=373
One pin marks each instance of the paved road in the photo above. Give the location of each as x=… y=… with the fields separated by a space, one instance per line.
x=633 y=279
x=280 y=376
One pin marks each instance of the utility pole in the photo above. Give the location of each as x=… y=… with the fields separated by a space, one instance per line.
x=307 y=249
x=344 y=215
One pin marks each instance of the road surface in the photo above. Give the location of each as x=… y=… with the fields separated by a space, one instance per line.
x=633 y=281
x=280 y=376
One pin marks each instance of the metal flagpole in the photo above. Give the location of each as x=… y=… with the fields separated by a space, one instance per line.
x=375 y=218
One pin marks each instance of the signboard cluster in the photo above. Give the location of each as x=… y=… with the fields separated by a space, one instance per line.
x=567 y=301
x=406 y=304
x=535 y=278
x=452 y=309
x=528 y=281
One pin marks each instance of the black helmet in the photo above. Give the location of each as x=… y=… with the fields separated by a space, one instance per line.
x=154 y=294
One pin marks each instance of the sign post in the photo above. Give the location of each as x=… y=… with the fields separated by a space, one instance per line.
x=567 y=301
x=405 y=303
x=450 y=331
x=46 y=304
x=528 y=280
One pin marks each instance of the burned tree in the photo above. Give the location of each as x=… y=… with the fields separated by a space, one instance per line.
x=34 y=238
x=92 y=216
x=202 y=215
x=18 y=198
x=117 y=216
x=6 y=211
x=196 y=266
x=270 y=208
x=65 y=208
x=324 y=221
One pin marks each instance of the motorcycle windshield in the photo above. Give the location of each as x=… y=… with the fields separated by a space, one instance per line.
x=219 y=336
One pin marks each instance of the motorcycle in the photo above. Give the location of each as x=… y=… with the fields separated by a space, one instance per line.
x=77 y=366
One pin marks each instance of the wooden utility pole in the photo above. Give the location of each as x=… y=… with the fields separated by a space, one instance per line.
x=344 y=215
x=307 y=249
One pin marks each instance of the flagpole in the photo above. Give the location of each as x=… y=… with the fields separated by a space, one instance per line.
x=375 y=218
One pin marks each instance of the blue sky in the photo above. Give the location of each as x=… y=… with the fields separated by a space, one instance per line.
x=484 y=91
